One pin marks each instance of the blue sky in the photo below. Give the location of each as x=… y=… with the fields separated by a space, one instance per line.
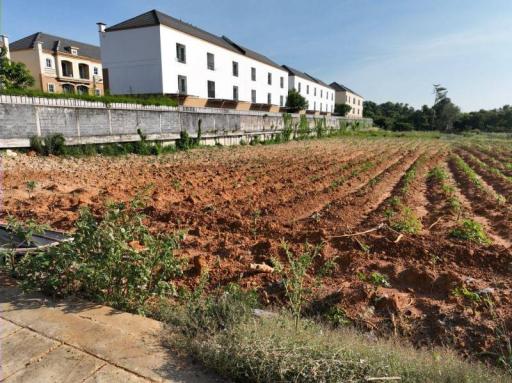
x=386 y=50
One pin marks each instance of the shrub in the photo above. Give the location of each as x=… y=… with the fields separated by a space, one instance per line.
x=52 y=144
x=114 y=260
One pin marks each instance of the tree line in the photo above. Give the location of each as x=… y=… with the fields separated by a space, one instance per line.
x=443 y=116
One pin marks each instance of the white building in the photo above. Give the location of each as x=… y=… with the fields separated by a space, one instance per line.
x=157 y=54
x=347 y=96
x=319 y=95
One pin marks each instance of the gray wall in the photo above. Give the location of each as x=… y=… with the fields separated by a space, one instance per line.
x=83 y=122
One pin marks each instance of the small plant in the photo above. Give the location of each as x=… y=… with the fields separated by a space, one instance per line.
x=176 y=184
x=376 y=279
x=328 y=268
x=294 y=277
x=438 y=174
x=467 y=294
x=406 y=221
x=31 y=186
x=472 y=231
x=256 y=215
x=337 y=317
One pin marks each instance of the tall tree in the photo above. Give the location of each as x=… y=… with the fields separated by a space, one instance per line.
x=13 y=75
x=445 y=112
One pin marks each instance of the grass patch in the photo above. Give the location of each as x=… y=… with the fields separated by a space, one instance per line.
x=271 y=350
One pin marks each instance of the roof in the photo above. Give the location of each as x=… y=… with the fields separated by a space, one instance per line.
x=343 y=88
x=304 y=75
x=55 y=44
x=154 y=18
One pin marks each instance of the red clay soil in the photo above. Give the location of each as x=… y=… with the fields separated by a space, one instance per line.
x=240 y=203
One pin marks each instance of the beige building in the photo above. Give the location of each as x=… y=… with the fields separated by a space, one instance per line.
x=347 y=96
x=60 y=65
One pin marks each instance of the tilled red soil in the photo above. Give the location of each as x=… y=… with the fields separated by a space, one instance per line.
x=239 y=204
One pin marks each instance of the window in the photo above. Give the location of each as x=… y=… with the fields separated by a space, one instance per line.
x=67 y=68
x=83 y=71
x=358 y=102
x=269 y=98
x=321 y=107
x=182 y=84
x=282 y=82
x=307 y=89
x=269 y=78
x=51 y=88
x=253 y=74
x=314 y=106
x=96 y=71
x=253 y=96
x=314 y=91
x=74 y=52
x=210 y=58
x=211 y=89
x=235 y=93
x=321 y=93
x=299 y=86
x=281 y=100
x=235 y=69
x=48 y=63
x=181 y=53
x=97 y=92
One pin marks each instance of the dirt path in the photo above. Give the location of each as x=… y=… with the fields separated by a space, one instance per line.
x=77 y=341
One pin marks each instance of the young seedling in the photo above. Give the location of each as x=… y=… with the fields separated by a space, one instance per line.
x=31 y=186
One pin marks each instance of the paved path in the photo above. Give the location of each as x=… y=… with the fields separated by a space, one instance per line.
x=76 y=341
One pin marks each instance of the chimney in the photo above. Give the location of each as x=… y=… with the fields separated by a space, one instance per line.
x=4 y=43
x=101 y=27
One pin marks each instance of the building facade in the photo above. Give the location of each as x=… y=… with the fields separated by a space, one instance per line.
x=157 y=54
x=60 y=65
x=319 y=95
x=346 y=96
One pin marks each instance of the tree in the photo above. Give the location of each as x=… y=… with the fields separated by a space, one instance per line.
x=295 y=101
x=342 y=109
x=445 y=111
x=13 y=75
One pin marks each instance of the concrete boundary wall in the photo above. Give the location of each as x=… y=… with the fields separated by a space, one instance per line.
x=84 y=122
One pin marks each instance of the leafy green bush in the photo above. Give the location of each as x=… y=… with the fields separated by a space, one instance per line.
x=115 y=260
x=472 y=231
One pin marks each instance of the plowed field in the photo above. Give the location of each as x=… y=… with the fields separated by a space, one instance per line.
x=239 y=204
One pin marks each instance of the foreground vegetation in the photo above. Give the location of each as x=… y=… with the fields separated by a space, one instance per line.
x=114 y=259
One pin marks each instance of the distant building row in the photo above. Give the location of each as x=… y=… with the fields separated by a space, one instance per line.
x=157 y=54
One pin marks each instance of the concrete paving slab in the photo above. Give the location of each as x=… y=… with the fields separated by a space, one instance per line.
x=22 y=348
x=123 y=341
x=62 y=365
x=7 y=328
x=109 y=374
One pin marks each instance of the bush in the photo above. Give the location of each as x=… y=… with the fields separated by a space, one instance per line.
x=52 y=144
x=114 y=260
